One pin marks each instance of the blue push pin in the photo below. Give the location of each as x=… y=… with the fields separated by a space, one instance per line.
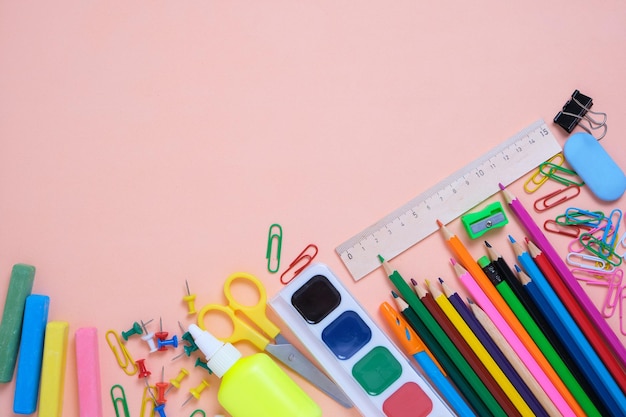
x=160 y=409
x=168 y=342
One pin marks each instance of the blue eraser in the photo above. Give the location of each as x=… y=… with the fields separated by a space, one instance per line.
x=595 y=166
x=31 y=354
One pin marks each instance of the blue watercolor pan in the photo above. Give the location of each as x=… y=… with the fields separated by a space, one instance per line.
x=352 y=349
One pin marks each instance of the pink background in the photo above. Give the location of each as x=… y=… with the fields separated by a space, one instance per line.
x=148 y=143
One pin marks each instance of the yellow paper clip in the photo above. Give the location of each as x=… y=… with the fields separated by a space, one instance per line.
x=148 y=397
x=538 y=178
x=125 y=361
x=119 y=400
x=274 y=245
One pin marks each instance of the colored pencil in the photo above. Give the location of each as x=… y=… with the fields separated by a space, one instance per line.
x=562 y=352
x=534 y=358
x=546 y=347
x=442 y=356
x=514 y=341
x=601 y=327
x=578 y=314
x=481 y=352
x=415 y=347
x=435 y=329
x=441 y=318
x=495 y=352
x=581 y=350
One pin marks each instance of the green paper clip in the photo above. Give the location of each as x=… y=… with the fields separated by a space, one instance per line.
x=479 y=223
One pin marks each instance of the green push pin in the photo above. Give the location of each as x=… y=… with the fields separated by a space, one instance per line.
x=136 y=329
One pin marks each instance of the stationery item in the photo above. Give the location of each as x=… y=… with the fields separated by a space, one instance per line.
x=196 y=391
x=478 y=223
x=296 y=266
x=355 y=352
x=481 y=352
x=577 y=313
x=120 y=405
x=579 y=346
x=577 y=109
x=447 y=200
x=538 y=336
x=536 y=235
x=122 y=355
x=282 y=349
x=548 y=385
x=561 y=174
x=557 y=197
x=414 y=346
x=442 y=356
x=274 y=247
x=464 y=347
x=190 y=299
x=53 y=369
x=537 y=178
x=520 y=384
x=544 y=306
x=20 y=286
x=31 y=353
x=88 y=372
x=595 y=166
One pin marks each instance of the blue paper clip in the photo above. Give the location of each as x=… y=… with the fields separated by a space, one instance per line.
x=610 y=231
x=581 y=217
x=274 y=246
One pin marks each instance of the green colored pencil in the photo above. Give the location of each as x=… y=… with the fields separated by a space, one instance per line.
x=431 y=324
x=548 y=350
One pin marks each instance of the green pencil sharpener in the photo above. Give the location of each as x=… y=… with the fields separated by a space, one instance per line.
x=479 y=223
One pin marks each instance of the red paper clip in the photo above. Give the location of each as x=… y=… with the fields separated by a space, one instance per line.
x=301 y=262
x=545 y=202
x=571 y=231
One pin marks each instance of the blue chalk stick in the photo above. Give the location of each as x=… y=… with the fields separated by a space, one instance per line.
x=31 y=354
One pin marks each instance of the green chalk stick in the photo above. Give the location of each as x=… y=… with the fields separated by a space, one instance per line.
x=20 y=287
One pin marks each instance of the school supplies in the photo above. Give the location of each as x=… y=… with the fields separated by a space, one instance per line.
x=53 y=369
x=282 y=349
x=348 y=344
x=120 y=404
x=413 y=346
x=539 y=239
x=274 y=246
x=438 y=333
x=252 y=385
x=31 y=354
x=448 y=199
x=20 y=286
x=575 y=110
x=478 y=223
x=88 y=372
x=190 y=299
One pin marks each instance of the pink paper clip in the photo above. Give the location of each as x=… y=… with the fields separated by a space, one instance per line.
x=611 y=280
x=622 y=296
x=621 y=245
x=301 y=262
x=564 y=194
x=571 y=231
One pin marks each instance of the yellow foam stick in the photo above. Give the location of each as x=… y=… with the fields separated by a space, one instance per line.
x=53 y=369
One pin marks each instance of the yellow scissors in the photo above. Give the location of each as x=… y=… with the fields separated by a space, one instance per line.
x=282 y=349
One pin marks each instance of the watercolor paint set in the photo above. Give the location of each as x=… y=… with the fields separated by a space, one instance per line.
x=352 y=349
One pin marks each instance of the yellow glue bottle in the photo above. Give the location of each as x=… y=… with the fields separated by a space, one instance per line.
x=252 y=386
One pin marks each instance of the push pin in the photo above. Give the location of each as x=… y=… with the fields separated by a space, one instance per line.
x=201 y=364
x=161 y=388
x=190 y=299
x=158 y=408
x=135 y=330
x=161 y=335
x=179 y=378
x=143 y=372
x=195 y=392
x=168 y=342
x=148 y=338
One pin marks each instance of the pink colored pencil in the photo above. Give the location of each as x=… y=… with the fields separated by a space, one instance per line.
x=481 y=299
x=537 y=236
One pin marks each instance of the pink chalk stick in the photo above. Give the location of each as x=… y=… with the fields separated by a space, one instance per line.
x=88 y=370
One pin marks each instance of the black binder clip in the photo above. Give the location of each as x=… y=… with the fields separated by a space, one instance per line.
x=577 y=109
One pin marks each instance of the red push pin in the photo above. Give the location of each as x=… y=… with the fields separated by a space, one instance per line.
x=143 y=372
x=161 y=388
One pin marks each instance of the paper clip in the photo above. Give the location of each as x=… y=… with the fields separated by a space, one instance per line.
x=621 y=245
x=575 y=110
x=199 y=412
x=581 y=217
x=537 y=178
x=119 y=400
x=610 y=231
x=546 y=202
x=125 y=361
x=301 y=262
x=147 y=399
x=566 y=230
x=611 y=280
x=594 y=263
x=560 y=174
x=622 y=296
x=274 y=246
x=595 y=246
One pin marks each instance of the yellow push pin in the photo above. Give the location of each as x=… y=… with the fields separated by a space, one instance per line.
x=190 y=299
x=195 y=392
x=176 y=381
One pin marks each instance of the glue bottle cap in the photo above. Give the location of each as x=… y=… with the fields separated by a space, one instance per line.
x=220 y=356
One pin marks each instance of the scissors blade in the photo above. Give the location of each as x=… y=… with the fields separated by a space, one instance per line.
x=290 y=356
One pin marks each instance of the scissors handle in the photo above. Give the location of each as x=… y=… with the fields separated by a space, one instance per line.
x=257 y=312
x=241 y=330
